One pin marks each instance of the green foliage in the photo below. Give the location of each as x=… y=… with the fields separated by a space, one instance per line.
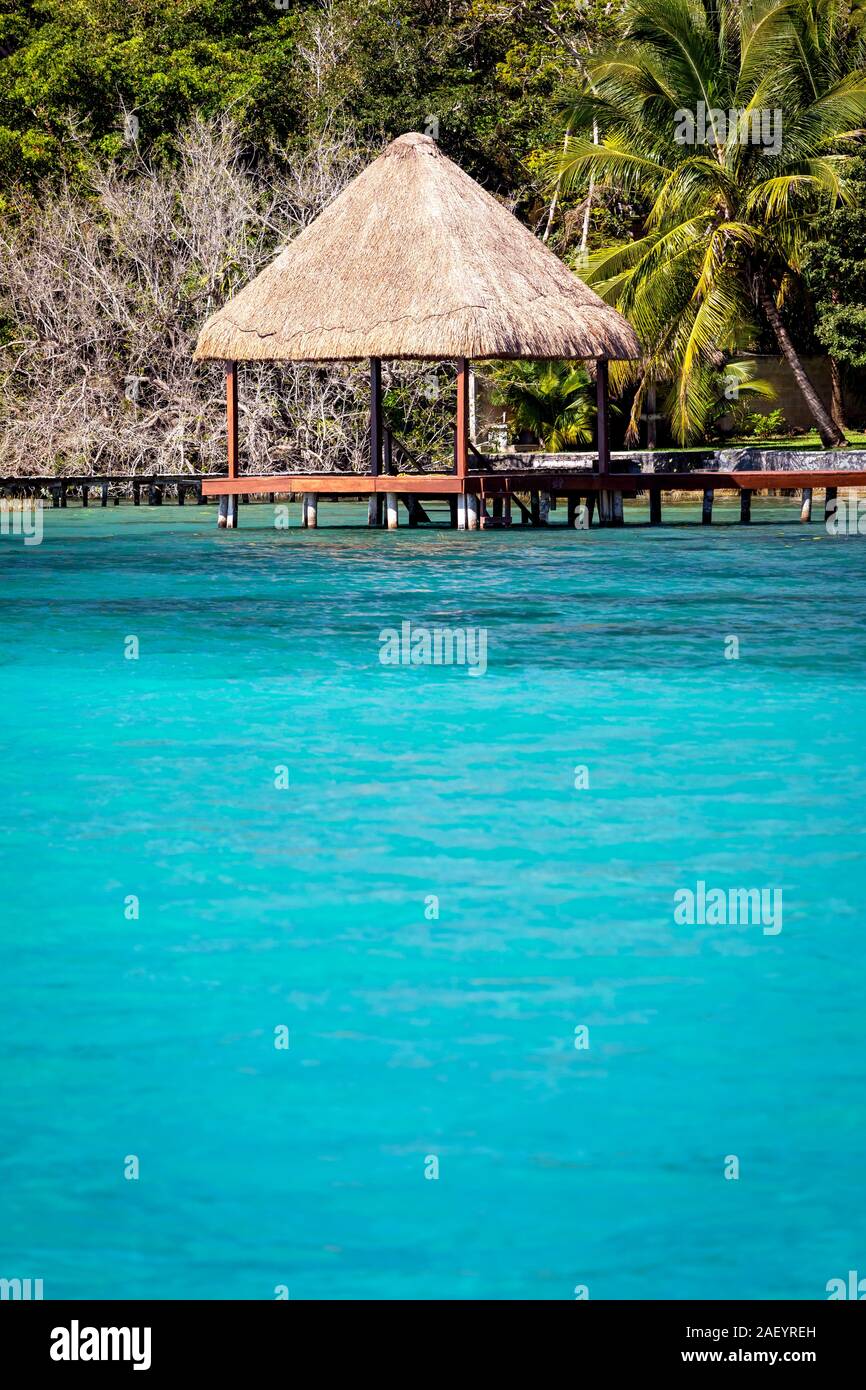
x=836 y=275
x=732 y=388
x=552 y=401
x=773 y=425
x=80 y=64
x=728 y=220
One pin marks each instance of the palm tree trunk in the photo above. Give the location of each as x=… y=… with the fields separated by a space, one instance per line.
x=837 y=403
x=555 y=199
x=588 y=209
x=829 y=432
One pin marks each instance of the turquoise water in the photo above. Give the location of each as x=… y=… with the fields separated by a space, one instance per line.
x=414 y=1037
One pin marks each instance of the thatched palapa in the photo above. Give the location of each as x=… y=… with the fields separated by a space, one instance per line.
x=415 y=260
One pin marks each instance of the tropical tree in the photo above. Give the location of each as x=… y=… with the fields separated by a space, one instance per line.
x=736 y=121
x=836 y=274
x=734 y=387
x=552 y=401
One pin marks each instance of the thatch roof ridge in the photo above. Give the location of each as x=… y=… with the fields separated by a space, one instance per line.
x=414 y=259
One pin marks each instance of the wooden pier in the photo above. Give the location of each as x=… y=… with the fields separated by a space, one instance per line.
x=491 y=499
x=475 y=500
x=153 y=487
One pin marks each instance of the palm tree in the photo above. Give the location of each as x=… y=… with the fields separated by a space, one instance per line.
x=552 y=401
x=737 y=123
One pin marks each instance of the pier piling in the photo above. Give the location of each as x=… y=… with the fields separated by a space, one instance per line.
x=707 y=508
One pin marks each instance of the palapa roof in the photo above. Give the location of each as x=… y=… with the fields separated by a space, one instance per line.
x=414 y=259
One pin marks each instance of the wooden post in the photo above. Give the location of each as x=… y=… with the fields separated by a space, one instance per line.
x=373 y=509
x=745 y=504
x=232 y=513
x=104 y=496
x=85 y=494
x=471 y=511
x=393 y=513
x=387 y=451
x=311 y=509
x=136 y=494
x=655 y=506
x=453 y=504
x=462 y=445
x=231 y=425
x=497 y=509
x=601 y=395
x=806 y=508
x=604 y=508
x=232 y=417
x=200 y=498
x=543 y=508
x=829 y=498
x=63 y=494
x=181 y=494
x=375 y=416
x=590 y=508
x=707 y=508
x=222 y=515
x=534 y=508
x=506 y=510
x=461 y=511
x=616 y=512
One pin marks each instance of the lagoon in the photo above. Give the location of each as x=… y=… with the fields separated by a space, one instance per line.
x=302 y=902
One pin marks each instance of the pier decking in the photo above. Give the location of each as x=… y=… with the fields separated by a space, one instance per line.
x=530 y=493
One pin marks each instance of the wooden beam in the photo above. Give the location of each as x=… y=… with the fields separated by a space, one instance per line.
x=655 y=506
x=603 y=432
x=443 y=484
x=375 y=416
x=462 y=446
x=232 y=417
